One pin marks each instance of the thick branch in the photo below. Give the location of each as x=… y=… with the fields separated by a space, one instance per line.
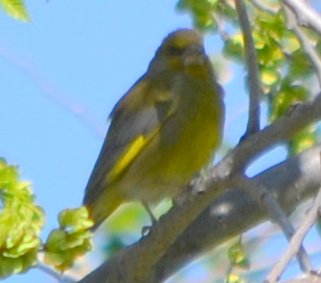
x=292 y=182
x=263 y=196
x=138 y=262
x=282 y=130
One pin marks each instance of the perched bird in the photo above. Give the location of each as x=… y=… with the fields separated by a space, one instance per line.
x=163 y=131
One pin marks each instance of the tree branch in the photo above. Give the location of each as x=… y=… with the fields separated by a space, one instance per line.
x=261 y=195
x=282 y=130
x=305 y=14
x=309 y=278
x=263 y=7
x=252 y=69
x=305 y=43
x=296 y=240
x=139 y=262
x=292 y=182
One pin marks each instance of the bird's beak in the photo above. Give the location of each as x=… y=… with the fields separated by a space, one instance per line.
x=194 y=55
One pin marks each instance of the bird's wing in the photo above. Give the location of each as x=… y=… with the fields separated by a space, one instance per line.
x=132 y=128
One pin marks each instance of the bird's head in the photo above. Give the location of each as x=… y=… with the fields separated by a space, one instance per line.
x=181 y=50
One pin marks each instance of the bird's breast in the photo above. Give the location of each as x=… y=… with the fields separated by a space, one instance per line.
x=183 y=146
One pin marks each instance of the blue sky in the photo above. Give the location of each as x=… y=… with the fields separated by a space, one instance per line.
x=60 y=77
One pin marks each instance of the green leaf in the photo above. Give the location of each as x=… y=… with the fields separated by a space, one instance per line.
x=9 y=266
x=61 y=260
x=20 y=223
x=233 y=47
x=64 y=247
x=270 y=76
x=56 y=239
x=201 y=11
x=237 y=256
x=288 y=96
x=299 y=66
x=303 y=140
x=8 y=178
x=77 y=218
x=235 y=278
x=16 y=9
x=71 y=240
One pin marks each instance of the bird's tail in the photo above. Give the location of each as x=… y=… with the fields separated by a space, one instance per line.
x=101 y=207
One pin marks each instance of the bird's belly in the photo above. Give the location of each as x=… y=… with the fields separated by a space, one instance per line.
x=172 y=159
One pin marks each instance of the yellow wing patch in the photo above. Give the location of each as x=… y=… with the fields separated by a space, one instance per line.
x=141 y=141
x=133 y=150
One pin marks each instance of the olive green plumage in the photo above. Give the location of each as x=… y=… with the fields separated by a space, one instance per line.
x=163 y=131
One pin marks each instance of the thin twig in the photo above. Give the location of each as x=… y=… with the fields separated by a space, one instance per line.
x=261 y=195
x=220 y=29
x=305 y=43
x=253 y=70
x=296 y=240
x=305 y=14
x=63 y=278
x=54 y=274
x=263 y=7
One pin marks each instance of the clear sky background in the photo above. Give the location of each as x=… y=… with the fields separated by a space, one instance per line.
x=61 y=75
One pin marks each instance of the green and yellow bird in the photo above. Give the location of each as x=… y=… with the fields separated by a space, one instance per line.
x=163 y=131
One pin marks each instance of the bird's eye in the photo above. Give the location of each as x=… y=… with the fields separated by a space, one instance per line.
x=175 y=51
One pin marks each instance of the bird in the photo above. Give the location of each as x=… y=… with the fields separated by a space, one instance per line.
x=163 y=131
